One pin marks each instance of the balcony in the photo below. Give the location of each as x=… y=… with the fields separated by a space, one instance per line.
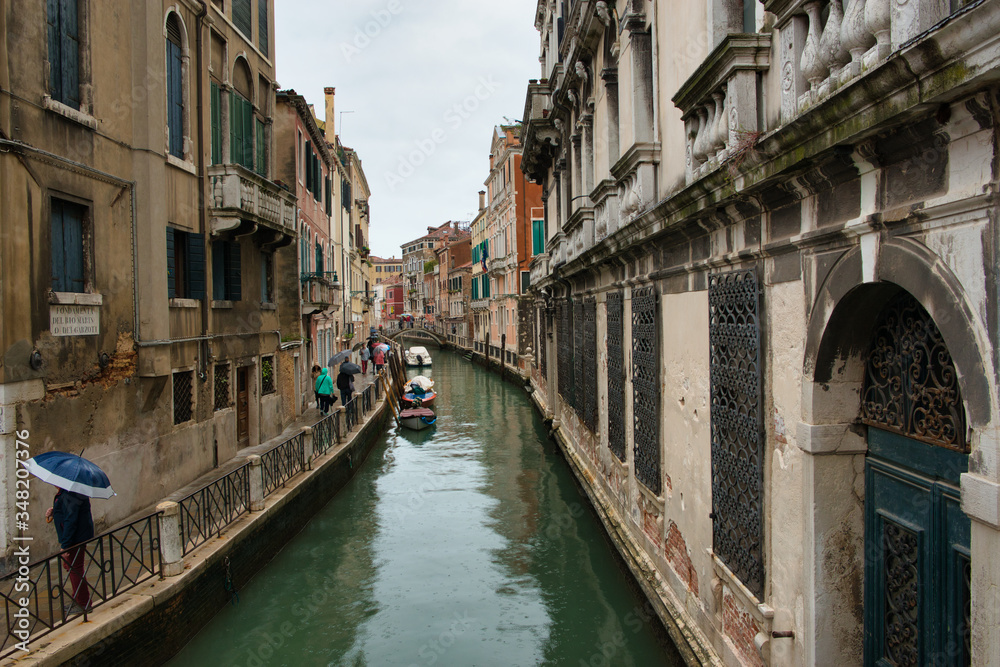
x=480 y=304
x=540 y=268
x=539 y=136
x=241 y=202
x=319 y=292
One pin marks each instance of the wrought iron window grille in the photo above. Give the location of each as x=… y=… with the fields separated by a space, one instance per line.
x=646 y=387
x=183 y=396
x=616 y=374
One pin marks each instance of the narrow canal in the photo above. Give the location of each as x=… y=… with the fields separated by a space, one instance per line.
x=465 y=544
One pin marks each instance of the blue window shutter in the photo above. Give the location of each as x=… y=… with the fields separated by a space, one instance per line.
x=196 y=266
x=70 y=34
x=55 y=49
x=263 y=34
x=216 y=102
x=235 y=273
x=219 y=270
x=67 y=247
x=171 y=265
x=175 y=100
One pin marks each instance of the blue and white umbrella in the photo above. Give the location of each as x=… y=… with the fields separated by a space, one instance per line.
x=72 y=473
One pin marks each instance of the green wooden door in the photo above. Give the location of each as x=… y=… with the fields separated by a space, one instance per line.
x=917 y=563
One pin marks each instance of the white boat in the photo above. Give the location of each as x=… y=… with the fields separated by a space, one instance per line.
x=417 y=418
x=417 y=357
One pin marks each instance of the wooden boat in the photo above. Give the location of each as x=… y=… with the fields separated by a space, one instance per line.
x=415 y=401
x=417 y=357
x=417 y=418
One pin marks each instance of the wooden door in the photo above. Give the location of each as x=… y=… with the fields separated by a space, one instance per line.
x=243 y=406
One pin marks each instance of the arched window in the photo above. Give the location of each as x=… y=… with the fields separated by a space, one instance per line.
x=911 y=385
x=241 y=144
x=175 y=86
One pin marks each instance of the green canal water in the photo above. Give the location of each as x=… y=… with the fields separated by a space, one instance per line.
x=465 y=544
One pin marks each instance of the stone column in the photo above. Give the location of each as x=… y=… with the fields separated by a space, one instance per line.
x=610 y=76
x=171 y=541
x=256 y=483
x=342 y=424
x=642 y=83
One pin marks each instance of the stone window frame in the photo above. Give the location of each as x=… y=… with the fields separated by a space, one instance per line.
x=187 y=161
x=85 y=114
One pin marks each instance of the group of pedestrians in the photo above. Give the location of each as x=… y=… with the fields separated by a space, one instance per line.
x=323 y=382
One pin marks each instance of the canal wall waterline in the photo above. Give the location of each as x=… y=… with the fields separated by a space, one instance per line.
x=154 y=621
x=692 y=644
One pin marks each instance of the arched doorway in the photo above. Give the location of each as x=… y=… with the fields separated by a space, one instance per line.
x=917 y=557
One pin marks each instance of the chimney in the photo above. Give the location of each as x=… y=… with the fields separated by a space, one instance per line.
x=482 y=200
x=331 y=117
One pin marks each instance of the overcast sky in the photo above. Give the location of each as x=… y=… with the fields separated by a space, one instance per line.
x=426 y=80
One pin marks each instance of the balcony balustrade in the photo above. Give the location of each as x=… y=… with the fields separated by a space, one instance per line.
x=480 y=304
x=719 y=102
x=242 y=202
x=320 y=293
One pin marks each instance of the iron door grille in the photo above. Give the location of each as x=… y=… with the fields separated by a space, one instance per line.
x=565 y=361
x=646 y=387
x=737 y=438
x=616 y=375
x=578 y=355
x=589 y=397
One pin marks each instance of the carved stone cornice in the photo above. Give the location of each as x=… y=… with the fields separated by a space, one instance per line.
x=736 y=52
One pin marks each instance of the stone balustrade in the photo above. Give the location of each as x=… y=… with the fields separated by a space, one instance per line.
x=827 y=44
x=719 y=103
x=239 y=194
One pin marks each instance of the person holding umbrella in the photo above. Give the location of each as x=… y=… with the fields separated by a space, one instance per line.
x=345 y=380
x=78 y=480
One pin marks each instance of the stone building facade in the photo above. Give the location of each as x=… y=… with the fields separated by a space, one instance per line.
x=766 y=315
x=149 y=299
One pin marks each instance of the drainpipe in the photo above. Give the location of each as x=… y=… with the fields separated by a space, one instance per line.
x=206 y=303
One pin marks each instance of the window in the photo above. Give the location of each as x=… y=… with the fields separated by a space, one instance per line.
x=329 y=196
x=222 y=384
x=216 y=104
x=63 y=19
x=185 y=265
x=226 y=271
x=175 y=88
x=68 y=232
x=241 y=130
x=267 y=277
x=243 y=17
x=261 y=148
x=267 y=375
x=319 y=258
x=183 y=397
x=525 y=281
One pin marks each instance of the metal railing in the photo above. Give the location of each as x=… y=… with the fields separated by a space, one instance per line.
x=352 y=412
x=282 y=463
x=208 y=510
x=326 y=434
x=73 y=582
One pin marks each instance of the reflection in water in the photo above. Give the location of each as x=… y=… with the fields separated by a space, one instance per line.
x=464 y=544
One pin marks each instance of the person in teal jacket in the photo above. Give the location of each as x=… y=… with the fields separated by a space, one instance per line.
x=324 y=389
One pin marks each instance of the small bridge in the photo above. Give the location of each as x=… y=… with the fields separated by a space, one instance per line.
x=417 y=334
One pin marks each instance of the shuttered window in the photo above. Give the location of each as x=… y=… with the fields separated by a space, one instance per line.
x=227 y=273
x=64 y=51
x=216 y=103
x=267 y=277
x=185 y=265
x=329 y=197
x=67 y=246
x=261 y=149
x=319 y=258
x=537 y=237
x=263 y=34
x=241 y=131
x=175 y=89
x=243 y=17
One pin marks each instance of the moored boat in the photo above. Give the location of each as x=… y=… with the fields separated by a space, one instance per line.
x=415 y=400
x=417 y=357
x=417 y=418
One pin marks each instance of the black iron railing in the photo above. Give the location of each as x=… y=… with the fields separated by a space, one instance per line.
x=282 y=463
x=207 y=511
x=73 y=582
x=326 y=433
x=352 y=412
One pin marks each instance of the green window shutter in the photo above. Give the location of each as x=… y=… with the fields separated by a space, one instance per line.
x=171 y=265
x=248 y=146
x=263 y=33
x=243 y=18
x=55 y=48
x=216 y=103
x=319 y=258
x=235 y=118
x=261 y=154
x=329 y=197
x=309 y=164
x=196 y=266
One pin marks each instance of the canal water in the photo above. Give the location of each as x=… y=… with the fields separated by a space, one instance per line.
x=464 y=544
